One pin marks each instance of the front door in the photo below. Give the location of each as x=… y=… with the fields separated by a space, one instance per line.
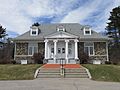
x=61 y=52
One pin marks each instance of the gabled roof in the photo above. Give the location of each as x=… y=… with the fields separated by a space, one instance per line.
x=74 y=29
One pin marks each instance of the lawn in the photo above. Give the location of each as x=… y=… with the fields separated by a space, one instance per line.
x=104 y=72
x=18 y=72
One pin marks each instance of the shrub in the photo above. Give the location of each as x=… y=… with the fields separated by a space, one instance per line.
x=84 y=58
x=13 y=62
x=108 y=62
x=38 y=58
x=114 y=55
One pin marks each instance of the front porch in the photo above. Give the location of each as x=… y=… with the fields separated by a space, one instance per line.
x=61 y=51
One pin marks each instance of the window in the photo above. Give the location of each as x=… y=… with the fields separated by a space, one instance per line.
x=89 y=48
x=63 y=50
x=60 y=28
x=34 y=31
x=52 y=50
x=87 y=31
x=32 y=50
x=59 y=50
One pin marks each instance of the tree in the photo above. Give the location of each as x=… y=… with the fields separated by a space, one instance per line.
x=113 y=31
x=2 y=32
x=113 y=27
x=36 y=24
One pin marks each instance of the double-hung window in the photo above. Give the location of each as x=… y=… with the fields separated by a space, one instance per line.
x=89 y=48
x=32 y=48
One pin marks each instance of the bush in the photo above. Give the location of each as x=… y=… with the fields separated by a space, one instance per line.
x=108 y=62
x=114 y=54
x=13 y=62
x=38 y=58
x=84 y=58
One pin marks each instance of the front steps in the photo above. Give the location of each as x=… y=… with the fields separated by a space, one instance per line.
x=66 y=72
x=76 y=73
x=48 y=73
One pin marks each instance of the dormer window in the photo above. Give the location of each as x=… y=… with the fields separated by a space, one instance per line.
x=87 y=31
x=34 y=31
x=60 y=28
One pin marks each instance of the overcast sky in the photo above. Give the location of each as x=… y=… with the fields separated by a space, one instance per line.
x=18 y=15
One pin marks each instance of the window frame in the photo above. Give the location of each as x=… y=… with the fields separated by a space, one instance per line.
x=33 y=50
x=34 y=30
x=89 y=46
x=87 y=30
x=60 y=28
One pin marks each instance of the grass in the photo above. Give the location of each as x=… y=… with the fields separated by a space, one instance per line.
x=104 y=72
x=18 y=72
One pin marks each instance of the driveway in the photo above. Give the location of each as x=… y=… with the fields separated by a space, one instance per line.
x=58 y=84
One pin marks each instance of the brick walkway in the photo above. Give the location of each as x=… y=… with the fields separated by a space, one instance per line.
x=58 y=66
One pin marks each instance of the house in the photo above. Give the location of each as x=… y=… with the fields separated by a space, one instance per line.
x=61 y=42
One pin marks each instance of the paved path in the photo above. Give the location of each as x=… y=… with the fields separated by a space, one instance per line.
x=58 y=84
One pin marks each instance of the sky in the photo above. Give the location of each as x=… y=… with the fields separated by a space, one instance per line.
x=18 y=15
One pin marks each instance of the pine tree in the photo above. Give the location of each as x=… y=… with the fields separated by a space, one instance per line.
x=2 y=32
x=36 y=24
x=113 y=27
x=113 y=31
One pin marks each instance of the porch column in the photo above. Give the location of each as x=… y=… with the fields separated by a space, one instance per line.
x=55 y=50
x=46 y=46
x=76 y=48
x=107 y=51
x=66 y=50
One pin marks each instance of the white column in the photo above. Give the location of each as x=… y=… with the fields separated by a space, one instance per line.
x=46 y=44
x=76 y=48
x=107 y=51
x=55 y=50
x=66 y=50
x=15 y=51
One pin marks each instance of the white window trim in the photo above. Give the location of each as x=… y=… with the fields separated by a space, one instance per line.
x=89 y=49
x=87 y=30
x=36 y=30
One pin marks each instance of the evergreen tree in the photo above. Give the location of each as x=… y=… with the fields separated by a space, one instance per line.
x=36 y=24
x=113 y=31
x=2 y=32
x=113 y=27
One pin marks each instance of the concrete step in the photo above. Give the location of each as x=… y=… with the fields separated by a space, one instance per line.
x=75 y=71
x=49 y=73
x=76 y=76
x=49 y=70
x=48 y=76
